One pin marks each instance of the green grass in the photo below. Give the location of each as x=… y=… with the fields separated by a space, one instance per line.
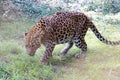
x=17 y=65
x=101 y=61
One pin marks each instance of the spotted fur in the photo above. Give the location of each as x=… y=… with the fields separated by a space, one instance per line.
x=61 y=27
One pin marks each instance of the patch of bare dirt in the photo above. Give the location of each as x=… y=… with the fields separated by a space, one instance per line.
x=112 y=74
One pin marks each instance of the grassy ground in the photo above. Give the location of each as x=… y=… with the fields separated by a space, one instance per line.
x=101 y=61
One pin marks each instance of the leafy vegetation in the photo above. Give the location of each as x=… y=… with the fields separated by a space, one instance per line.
x=104 y=6
x=35 y=9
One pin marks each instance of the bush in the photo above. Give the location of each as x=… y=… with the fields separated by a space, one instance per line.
x=36 y=8
x=104 y=6
x=30 y=8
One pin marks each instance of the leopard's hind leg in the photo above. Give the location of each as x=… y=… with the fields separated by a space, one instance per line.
x=68 y=46
x=80 y=43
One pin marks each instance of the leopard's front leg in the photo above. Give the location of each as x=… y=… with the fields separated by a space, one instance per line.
x=48 y=52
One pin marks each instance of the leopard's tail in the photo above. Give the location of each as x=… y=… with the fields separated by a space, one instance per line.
x=100 y=37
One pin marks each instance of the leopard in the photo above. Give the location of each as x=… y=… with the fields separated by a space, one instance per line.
x=68 y=27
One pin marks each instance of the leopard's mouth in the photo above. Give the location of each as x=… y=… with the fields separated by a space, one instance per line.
x=31 y=52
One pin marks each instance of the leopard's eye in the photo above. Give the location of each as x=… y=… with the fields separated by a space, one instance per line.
x=32 y=45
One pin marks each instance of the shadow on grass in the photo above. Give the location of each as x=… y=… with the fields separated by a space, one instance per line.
x=61 y=60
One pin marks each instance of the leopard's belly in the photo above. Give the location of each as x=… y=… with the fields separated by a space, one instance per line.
x=64 y=38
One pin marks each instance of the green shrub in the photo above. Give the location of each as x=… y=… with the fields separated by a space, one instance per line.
x=29 y=8
x=104 y=6
x=111 y=6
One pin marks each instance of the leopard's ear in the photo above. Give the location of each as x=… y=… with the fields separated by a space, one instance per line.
x=25 y=33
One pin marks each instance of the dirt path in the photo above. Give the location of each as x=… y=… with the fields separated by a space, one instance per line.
x=95 y=66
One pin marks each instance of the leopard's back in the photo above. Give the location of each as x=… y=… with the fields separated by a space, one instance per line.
x=65 y=25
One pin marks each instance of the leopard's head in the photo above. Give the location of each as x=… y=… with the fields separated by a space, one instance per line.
x=32 y=39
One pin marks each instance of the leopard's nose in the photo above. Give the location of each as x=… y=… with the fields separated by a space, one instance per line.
x=30 y=52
